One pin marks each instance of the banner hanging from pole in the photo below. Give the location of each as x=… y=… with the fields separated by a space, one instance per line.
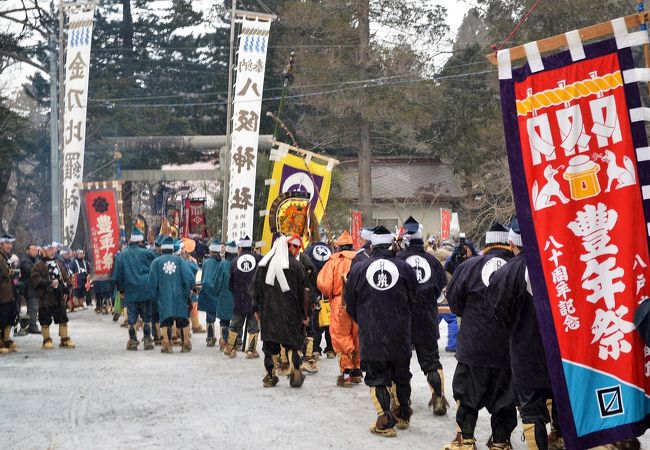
x=102 y=203
x=297 y=170
x=77 y=66
x=355 y=229
x=580 y=167
x=445 y=223
x=247 y=106
x=196 y=218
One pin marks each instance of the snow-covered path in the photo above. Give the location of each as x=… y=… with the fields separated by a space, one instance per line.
x=101 y=396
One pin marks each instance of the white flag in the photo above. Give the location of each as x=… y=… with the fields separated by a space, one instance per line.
x=77 y=65
x=247 y=106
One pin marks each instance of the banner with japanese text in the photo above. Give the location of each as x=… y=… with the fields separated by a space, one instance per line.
x=307 y=173
x=355 y=229
x=580 y=173
x=102 y=207
x=445 y=223
x=247 y=106
x=73 y=139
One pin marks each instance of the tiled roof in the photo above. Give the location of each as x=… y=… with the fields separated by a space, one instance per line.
x=404 y=178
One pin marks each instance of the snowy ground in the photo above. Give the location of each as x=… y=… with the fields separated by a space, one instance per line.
x=101 y=396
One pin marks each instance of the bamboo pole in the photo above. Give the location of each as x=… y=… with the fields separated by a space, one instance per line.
x=312 y=154
x=559 y=41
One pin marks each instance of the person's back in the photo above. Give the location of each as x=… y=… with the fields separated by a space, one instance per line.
x=280 y=300
x=431 y=279
x=379 y=293
x=132 y=271
x=482 y=341
x=170 y=281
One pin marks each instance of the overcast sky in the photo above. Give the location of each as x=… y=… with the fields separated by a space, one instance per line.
x=12 y=79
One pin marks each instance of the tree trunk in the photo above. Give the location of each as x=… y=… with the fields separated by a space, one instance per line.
x=127 y=36
x=5 y=175
x=365 y=151
x=365 y=172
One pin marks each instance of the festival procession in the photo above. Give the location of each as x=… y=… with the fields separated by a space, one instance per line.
x=348 y=224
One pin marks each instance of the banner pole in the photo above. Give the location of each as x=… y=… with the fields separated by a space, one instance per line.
x=226 y=159
x=559 y=41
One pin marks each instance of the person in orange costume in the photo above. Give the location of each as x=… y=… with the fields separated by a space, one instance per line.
x=344 y=331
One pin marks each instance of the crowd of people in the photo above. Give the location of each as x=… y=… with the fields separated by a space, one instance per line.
x=370 y=307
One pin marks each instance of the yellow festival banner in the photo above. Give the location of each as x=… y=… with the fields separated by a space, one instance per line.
x=298 y=192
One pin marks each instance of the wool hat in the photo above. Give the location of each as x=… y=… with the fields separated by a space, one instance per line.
x=7 y=238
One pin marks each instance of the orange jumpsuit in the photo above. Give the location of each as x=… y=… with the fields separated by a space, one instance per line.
x=344 y=331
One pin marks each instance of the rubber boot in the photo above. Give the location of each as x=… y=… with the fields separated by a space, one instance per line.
x=133 y=343
x=196 y=324
x=252 y=346
x=385 y=424
x=7 y=342
x=296 y=377
x=210 y=340
x=66 y=342
x=187 y=342
x=229 y=349
x=166 y=341
x=47 y=340
x=438 y=402
x=309 y=363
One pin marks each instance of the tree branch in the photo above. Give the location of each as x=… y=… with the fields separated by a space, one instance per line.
x=23 y=59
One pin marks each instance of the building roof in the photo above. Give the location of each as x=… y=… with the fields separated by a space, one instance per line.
x=403 y=178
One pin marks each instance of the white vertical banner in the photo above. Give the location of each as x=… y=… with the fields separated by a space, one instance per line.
x=73 y=141
x=247 y=106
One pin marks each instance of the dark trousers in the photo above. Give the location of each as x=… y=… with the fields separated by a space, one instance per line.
x=271 y=349
x=56 y=313
x=237 y=323
x=318 y=340
x=428 y=356
x=142 y=310
x=484 y=387
x=7 y=315
x=181 y=322
x=155 y=315
x=32 y=311
x=533 y=410
x=102 y=299
x=381 y=375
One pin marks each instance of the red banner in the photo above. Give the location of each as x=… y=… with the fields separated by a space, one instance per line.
x=356 y=226
x=196 y=218
x=445 y=223
x=103 y=226
x=577 y=186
